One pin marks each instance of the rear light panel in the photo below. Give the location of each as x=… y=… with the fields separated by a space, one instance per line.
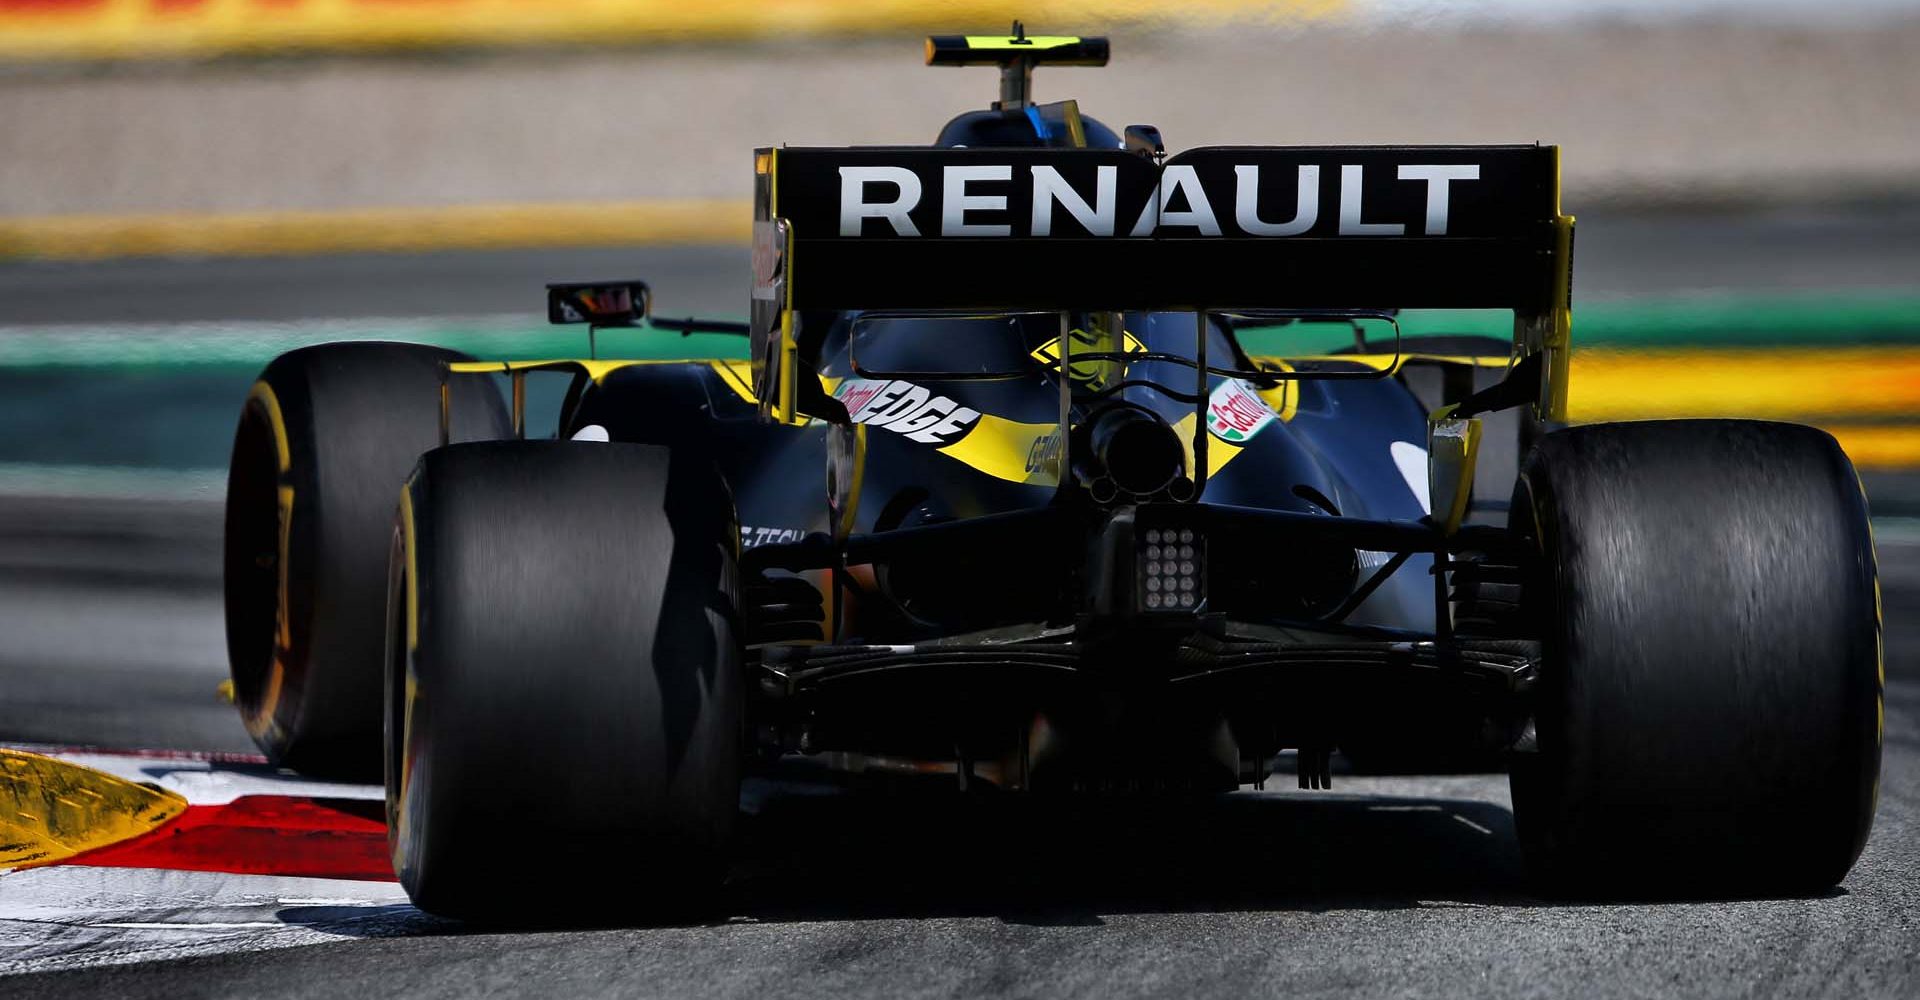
x=1170 y=571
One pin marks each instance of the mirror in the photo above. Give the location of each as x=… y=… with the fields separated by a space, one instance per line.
x=601 y=303
x=1145 y=140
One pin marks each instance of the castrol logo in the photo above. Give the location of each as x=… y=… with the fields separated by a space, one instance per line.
x=1236 y=413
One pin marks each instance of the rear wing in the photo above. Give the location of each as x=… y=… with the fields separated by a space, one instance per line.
x=1214 y=228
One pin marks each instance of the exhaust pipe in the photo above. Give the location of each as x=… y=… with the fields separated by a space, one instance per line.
x=1135 y=450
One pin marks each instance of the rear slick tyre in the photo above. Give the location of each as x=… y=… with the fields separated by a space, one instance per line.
x=325 y=439
x=1708 y=713
x=565 y=689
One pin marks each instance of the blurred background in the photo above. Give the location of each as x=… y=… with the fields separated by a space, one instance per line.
x=188 y=187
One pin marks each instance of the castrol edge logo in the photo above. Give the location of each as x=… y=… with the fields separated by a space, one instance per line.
x=906 y=408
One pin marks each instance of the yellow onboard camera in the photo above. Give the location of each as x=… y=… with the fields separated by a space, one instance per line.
x=1016 y=55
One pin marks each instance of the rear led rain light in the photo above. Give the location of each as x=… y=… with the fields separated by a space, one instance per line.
x=1172 y=570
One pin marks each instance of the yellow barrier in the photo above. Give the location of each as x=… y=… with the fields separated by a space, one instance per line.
x=1777 y=383
x=1890 y=446
x=118 y=29
x=373 y=230
x=1865 y=396
x=51 y=809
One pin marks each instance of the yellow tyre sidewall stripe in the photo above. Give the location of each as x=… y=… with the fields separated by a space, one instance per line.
x=263 y=721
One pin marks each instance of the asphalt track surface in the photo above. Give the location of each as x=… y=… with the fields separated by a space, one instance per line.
x=1386 y=886
x=1403 y=886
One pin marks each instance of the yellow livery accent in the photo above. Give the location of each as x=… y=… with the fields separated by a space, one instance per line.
x=1453 y=447
x=738 y=375
x=1219 y=452
x=1386 y=362
x=1007 y=449
x=1282 y=399
x=594 y=368
x=784 y=409
x=1560 y=347
x=1086 y=342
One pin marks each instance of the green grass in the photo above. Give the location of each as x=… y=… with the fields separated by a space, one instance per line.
x=1732 y=321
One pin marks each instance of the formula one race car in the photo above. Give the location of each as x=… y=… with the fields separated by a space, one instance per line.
x=1060 y=463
